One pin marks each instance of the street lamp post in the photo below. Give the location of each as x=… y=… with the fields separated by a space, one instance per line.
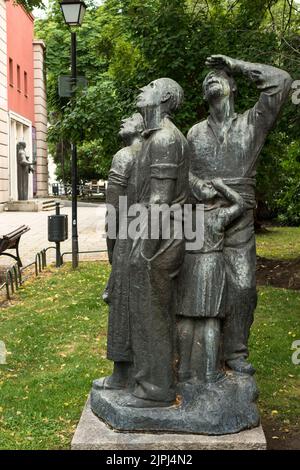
x=73 y=13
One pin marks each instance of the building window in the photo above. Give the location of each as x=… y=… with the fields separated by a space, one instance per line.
x=18 y=78
x=11 y=72
x=25 y=84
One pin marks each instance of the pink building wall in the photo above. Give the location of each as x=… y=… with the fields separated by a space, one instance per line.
x=23 y=113
x=20 y=51
x=4 y=151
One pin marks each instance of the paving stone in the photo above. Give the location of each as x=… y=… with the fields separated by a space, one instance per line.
x=91 y=223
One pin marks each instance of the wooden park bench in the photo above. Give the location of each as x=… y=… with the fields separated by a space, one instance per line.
x=11 y=242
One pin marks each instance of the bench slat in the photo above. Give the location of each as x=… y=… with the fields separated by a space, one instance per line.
x=11 y=240
x=16 y=233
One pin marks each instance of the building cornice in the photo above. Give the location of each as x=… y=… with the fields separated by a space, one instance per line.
x=30 y=15
x=39 y=42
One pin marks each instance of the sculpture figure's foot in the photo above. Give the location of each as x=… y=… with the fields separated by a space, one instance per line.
x=118 y=380
x=241 y=365
x=106 y=384
x=215 y=376
x=135 y=402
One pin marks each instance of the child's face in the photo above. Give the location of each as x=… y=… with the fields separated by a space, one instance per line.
x=208 y=192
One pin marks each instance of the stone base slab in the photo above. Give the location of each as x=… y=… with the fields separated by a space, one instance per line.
x=94 y=434
x=33 y=205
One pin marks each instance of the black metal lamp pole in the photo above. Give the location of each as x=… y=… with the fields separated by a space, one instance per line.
x=74 y=164
x=73 y=12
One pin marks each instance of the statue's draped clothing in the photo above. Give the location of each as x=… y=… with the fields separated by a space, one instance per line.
x=205 y=272
x=122 y=175
x=165 y=157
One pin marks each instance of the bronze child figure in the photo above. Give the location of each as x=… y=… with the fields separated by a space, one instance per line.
x=204 y=306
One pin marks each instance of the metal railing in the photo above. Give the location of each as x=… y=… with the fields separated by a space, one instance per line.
x=83 y=190
x=14 y=275
x=81 y=253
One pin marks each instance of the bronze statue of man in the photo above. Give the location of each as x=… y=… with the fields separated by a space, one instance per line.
x=162 y=179
x=227 y=145
x=122 y=181
x=24 y=168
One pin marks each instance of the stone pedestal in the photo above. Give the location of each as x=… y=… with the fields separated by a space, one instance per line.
x=94 y=434
x=32 y=205
x=224 y=407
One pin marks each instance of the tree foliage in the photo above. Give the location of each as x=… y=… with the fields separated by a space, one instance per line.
x=30 y=4
x=124 y=44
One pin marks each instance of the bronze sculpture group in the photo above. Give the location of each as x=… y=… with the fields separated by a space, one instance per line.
x=179 y=320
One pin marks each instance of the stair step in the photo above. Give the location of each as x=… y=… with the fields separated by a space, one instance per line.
x=49 y=201
x=49 y=205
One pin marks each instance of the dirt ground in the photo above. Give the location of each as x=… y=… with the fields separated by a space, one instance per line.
x=279 y=438
x=278 y=273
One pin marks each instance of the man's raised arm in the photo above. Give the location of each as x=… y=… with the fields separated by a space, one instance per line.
x=273 y=83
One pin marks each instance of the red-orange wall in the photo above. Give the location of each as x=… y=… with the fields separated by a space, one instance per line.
x=20 y=50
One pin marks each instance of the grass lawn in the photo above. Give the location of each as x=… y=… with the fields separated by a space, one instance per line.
x=56 y=340
x=281 y=243
x=56 y=335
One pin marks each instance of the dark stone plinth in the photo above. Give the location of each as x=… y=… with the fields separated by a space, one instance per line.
x=225 y=407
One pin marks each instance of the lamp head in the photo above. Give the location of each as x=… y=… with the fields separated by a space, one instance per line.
x=73 y=11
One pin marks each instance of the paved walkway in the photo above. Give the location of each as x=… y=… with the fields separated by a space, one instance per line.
x=91 y=220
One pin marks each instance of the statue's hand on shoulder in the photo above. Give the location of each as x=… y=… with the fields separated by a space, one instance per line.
x=218 y=183
x=219 y=61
